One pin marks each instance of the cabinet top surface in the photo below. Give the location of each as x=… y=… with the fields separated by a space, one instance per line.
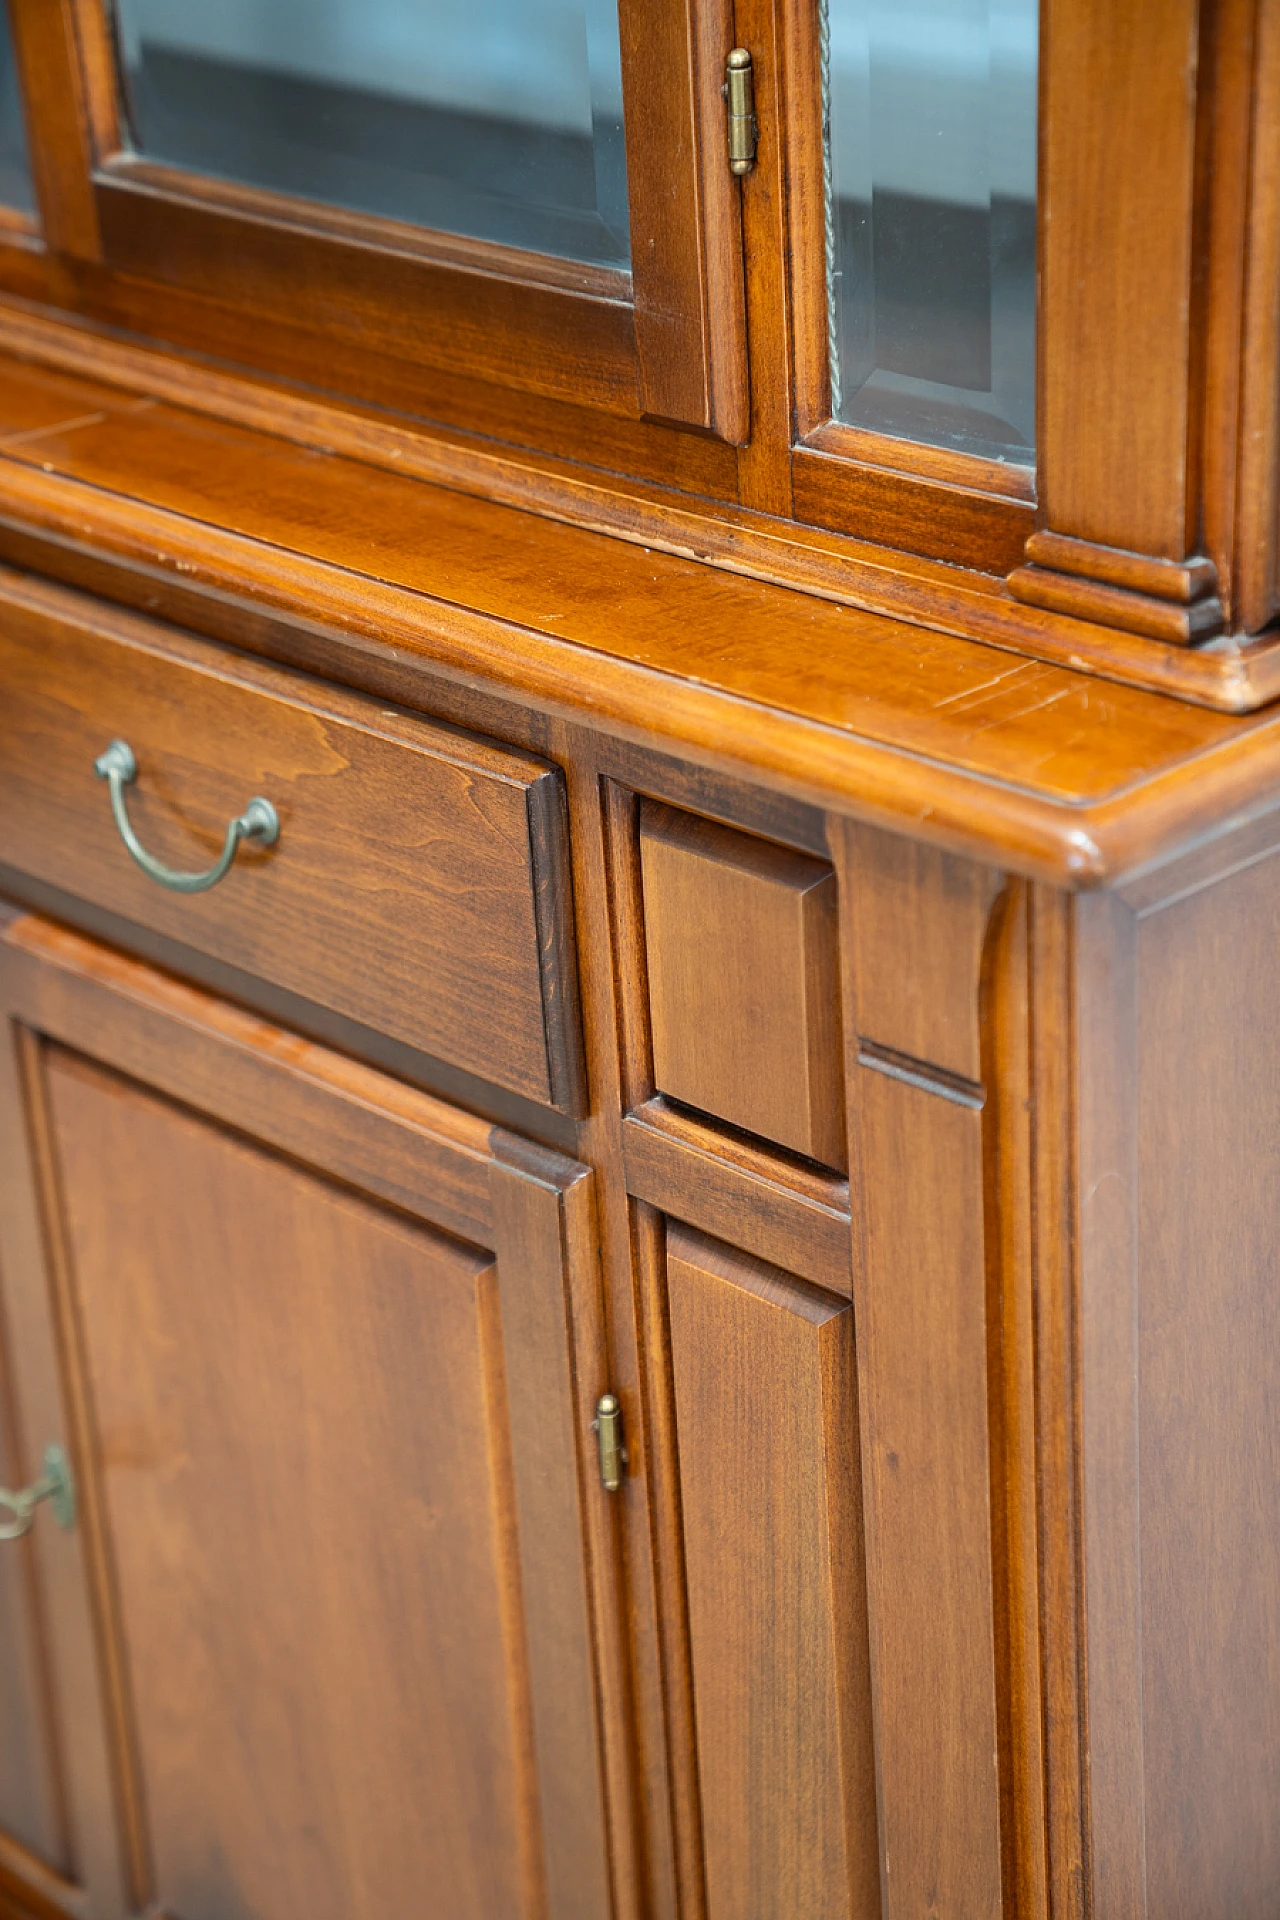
x=1044 y=769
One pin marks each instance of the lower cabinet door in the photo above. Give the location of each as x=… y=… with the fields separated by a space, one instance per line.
x=317 y=1641
x=767 y=1430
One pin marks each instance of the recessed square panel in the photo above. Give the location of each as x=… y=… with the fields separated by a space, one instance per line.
x=743 y=995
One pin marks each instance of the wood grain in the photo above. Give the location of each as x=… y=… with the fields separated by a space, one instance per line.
x=919 y=1164
x=731 y=1188
x=358 y=1665
x=1115 y=364
x=557 y=342
x=848 y=570
x=453 y=849
x=58 y=103
x=766 y=1412
x=685 y=223
x=1179 y=1364
x=916 y=921
x=1208 y=1367
x=257 y=1202
x=904 y=719
x=743 y=995
x=31 y=1811
x=1256 y=496
x=545 y=1411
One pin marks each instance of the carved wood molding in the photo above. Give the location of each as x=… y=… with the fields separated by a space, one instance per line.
x=1175 y=601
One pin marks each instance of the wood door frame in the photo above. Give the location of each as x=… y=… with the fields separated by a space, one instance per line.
x=1152 y=506
x=664 y=342
x=403 y=1148
x=923 y=499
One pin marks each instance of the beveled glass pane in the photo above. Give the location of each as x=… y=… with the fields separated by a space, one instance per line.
x=15 y=169
x=500 y=119
x=932 y=252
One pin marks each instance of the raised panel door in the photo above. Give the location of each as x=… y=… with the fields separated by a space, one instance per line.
x=318 y=1391
x=766 y=1418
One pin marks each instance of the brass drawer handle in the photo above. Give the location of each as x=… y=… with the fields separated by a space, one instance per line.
x=54 y=1485
x=259 y=822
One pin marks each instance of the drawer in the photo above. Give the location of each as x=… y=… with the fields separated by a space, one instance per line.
x=419 y=882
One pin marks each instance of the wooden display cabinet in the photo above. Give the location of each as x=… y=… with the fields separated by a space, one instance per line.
x=661 y=1305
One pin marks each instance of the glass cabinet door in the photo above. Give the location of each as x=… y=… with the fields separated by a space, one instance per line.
x=498 y=119
x=931 y=189
x=15 y=170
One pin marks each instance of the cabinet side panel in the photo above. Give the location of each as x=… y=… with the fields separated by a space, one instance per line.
x=1208 y=1364
x=767 y=1422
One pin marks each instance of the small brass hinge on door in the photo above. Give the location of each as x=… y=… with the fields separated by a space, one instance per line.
x=740 y=102
x=607 y=1427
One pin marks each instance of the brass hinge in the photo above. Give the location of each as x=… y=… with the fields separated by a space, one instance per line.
x=607 y=1427
x=740 y=98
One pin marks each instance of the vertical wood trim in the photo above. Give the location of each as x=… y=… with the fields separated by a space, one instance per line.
x=1106 y=1096
x=552 y=875
x=1052 y=1041
x=1256 y=588
x=673 y=1774
x=108 y=1852
x=592 y=1376
x=666 y=1519
x=920 y=1307
x=770 y=195
x=537 y=1336
x=642 y=1749
x=1116 y=220
x=921 y=1318
x=59 y=123
x=686 y=239
x=87 y=1453
x=1223 y=173
x=533 y=1874
x=32 y=1651
x=1007 y=1152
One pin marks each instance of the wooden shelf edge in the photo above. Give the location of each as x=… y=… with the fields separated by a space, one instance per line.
x=1231 y=674
x=397 y=642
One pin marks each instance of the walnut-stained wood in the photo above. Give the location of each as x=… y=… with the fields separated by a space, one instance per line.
x=1157 y=418
x=1179 y=1361
x=31 y=1816
x=941 y=1579
x=963 y=744
x=733 y=1188
x=386 y=1650
x=453 y=849
x=317 y=1577
x=666 y=339
x=848 y=570
x=1155 y=615
x=1117 y=201
x=740 y=936
x=766 y=1416
x=920 y=499
x=917 y=922
x=921 y=1292
x=685 y=215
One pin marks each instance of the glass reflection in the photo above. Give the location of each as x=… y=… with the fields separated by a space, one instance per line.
x=500 y=119
x=932 y=182
x=15 y=169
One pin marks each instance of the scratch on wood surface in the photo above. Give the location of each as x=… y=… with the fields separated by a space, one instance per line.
x=967 y=694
